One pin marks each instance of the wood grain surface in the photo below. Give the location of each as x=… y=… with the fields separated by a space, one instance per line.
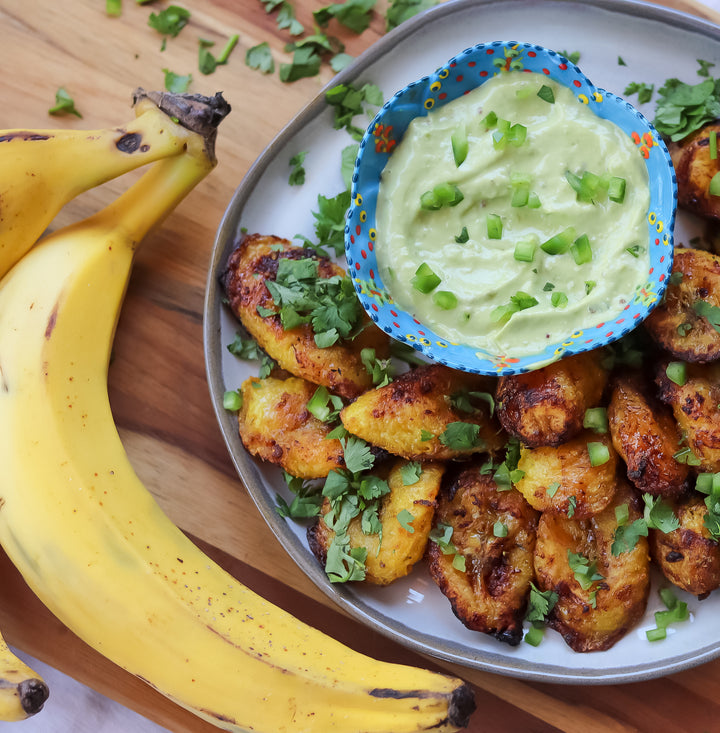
x=158 y=388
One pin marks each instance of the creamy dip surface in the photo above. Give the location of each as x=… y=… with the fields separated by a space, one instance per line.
x=462 y=234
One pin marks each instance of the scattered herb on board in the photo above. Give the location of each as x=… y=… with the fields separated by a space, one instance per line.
x=169 y=22
x=207 y=63
x=113 y=8
x=64 y=104
x=177 y=83
x=353 y=14
x=349 y=101
x=286 y=16
x=260 y=58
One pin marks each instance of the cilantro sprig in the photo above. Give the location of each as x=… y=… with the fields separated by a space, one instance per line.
x=352 y=492
x=540 y=605
x=328 y=304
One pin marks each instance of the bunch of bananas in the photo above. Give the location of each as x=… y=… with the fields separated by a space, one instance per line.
x=87 y=536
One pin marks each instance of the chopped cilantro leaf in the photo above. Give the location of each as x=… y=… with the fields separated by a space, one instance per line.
x=64 y=104
x=441 y=535
x=643 y=90
x=708 y=311
x=461 y=436
x=176 y=83
x=286 y=16
x=381 y=370
x=347 y=163
x=398 y=11
x=207 y=63
x=659 y=514
x=540 y=604
x=306 y=501
x=353 y=14
x=340 y=60
x=349 y=101
x=627 y=535
x=358 y=456
x=406 y=519
x=113 y=8
x=170 y=21
x=410 y=472
x=297 y=174
x=260 y=58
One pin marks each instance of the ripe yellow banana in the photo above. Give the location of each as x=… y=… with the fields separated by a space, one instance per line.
x=23 y=692
x=96 y=548
x=41 y=170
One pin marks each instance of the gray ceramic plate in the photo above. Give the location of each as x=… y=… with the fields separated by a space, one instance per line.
x=654 y=44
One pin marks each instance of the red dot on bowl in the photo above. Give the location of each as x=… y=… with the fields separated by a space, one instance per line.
x=600 y=325
x=483 y=73
x=372 y=274
x=421 y=333
x=637 y=315
x=459 y=77
x=532 y=54
x=490 y=51
x=562 y=66
x=471 y=63
x=619 y=320
x=370 y=246
x=608 y=334
x=363 y=253
x=546 y=72
x=352 y=238
x=374 y=307
x=661 y=278
x=396 y=324
x=650 y=271
x=577 y=83
x=662 y=259
x=358 y=230
x=443 y=95
x=393 y=314
x=357 y=265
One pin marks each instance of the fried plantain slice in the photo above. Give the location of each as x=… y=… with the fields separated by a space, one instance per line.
x=275 y=425
x=338 y=367
x=696 y=407
x=547 y=406
x=562 y=480
x=645 y=434
x=694 y=169
x=595 y=617
x=406 y=515
x=681 y=323
x=689 y=556
x=494 y=531
x=429 y=413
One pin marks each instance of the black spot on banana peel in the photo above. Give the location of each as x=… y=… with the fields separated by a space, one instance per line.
x=33 y=694
x=461 y=703
x=129 y=143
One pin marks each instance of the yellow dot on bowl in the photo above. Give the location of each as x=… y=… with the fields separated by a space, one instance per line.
x=372 y=234
x=410 y=337
x=358 y=200
x=425 y=342
x=429 y=103
x=597 y=97
x=444 y=73
x=583 y=98
x=442 y=344
x=363 y=216
x=659 y=227
x=652 y=217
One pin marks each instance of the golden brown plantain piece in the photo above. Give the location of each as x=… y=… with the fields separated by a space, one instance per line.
x=688 y=556
x=338 y=367
x=409 y=416
x=694 y=169
x=275 y=425
x=491 y=594
x=592 y=619
x=392 y=555
x=645 y=434
x=561 y=479
x=676 y=324
x=547 y=406
x=696 y=407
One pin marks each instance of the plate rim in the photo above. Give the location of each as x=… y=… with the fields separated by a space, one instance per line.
x=249 y=472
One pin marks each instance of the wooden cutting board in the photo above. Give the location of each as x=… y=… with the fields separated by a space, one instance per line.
x=158 y=388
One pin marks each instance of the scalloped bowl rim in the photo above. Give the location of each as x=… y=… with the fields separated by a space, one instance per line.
x=433 y=90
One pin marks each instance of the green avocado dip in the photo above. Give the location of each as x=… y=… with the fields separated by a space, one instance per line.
x=513 y=216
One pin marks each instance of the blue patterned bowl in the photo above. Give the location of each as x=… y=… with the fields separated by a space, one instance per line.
x=464 y=72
